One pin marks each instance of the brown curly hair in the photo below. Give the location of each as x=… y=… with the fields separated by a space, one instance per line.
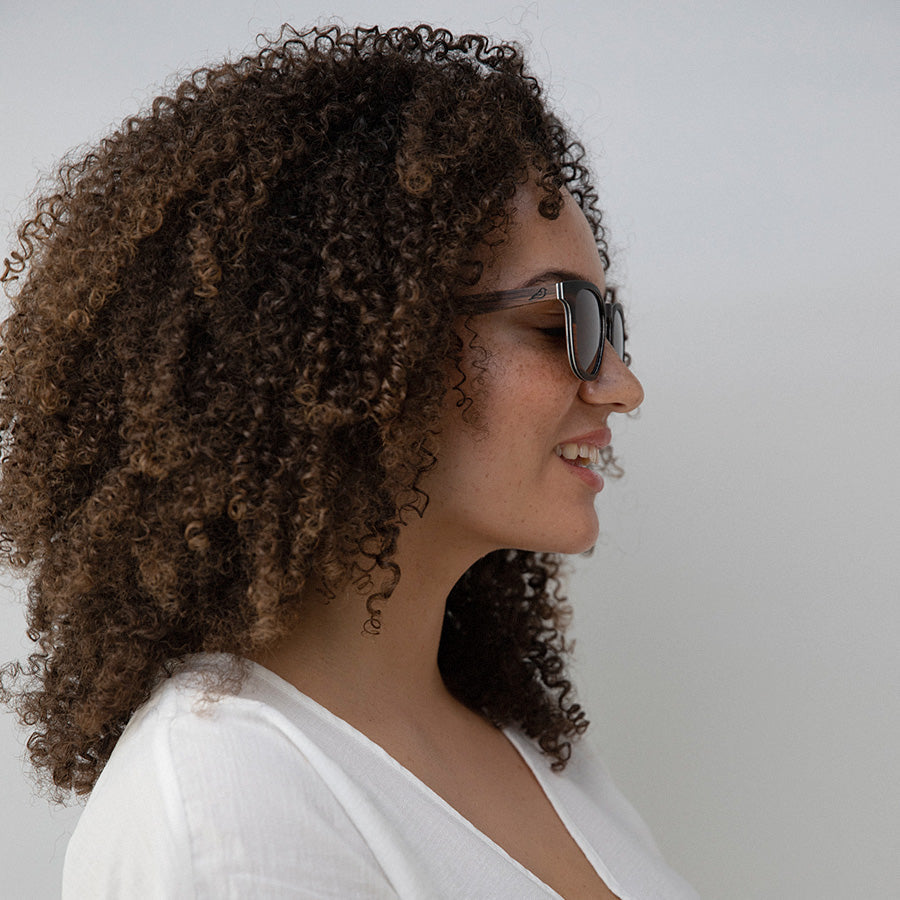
x=216 y=313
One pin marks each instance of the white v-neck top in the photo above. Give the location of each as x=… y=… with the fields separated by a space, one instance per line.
x=264 y=793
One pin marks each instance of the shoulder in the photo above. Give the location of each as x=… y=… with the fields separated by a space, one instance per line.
x=214 y=797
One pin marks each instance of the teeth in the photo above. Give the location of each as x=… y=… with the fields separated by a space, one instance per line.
x=581 y=454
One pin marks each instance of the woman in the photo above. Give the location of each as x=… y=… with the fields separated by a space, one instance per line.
x=306 y=383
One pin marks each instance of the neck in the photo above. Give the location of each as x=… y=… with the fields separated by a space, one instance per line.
x=389 y=678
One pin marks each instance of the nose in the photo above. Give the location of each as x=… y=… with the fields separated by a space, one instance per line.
x=616 y=385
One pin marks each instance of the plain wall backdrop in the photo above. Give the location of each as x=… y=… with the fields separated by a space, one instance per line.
x=738 y=622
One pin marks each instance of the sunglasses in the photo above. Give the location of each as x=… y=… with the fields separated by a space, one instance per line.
x=592 y=319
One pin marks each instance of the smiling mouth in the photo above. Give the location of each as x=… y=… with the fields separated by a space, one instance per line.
x=585 y=455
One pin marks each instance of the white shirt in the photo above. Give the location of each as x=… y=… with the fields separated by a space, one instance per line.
x=264 y=793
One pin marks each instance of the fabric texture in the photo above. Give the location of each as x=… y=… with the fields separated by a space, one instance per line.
x=264 y=793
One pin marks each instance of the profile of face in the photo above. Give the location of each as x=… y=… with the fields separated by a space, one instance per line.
x=502 y=483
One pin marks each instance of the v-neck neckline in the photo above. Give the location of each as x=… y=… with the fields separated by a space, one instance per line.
x=519 y=743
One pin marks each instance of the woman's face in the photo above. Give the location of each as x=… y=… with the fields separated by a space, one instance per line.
x=500 y=483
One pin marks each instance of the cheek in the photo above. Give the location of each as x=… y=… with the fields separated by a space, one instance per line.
x=508 y=400
x=520 y=413
x=531 y=387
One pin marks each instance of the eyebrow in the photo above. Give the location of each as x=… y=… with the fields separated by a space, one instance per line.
x=553 y=275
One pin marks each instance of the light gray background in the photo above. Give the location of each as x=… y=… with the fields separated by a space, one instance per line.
x=738 y=623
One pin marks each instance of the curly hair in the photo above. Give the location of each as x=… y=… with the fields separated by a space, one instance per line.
x=216 y=313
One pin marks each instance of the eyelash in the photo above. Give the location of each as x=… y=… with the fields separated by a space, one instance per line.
x=556 y=334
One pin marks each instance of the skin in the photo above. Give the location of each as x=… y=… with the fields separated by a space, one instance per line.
x=498 y=483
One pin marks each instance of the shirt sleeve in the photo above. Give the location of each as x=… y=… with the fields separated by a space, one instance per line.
x=216 y=803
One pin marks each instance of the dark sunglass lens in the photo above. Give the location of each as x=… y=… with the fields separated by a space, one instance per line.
x=617 y=337
x=588 y=329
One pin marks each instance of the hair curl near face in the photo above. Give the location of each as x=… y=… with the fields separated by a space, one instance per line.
x=225 y=361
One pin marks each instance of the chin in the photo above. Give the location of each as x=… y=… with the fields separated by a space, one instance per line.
x=574 y=542
x=576 y=547
x=582 y=539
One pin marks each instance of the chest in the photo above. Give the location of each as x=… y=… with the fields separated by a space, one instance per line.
x=491 y=786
